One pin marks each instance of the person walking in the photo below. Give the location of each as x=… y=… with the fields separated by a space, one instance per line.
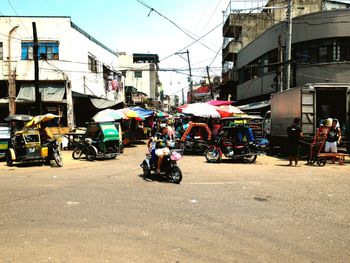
x=333 y=138
x=294 y=133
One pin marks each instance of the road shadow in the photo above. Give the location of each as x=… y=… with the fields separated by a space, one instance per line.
x=229 y=161
x=32 y=164
x=155 y=178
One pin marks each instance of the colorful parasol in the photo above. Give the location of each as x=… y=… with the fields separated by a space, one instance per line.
x=108 y=115
x=162 y=114
x=143 y=113
x=228 y=111
x=131 y=114
x=201 y=110
x=41 y=118
x=219 y=102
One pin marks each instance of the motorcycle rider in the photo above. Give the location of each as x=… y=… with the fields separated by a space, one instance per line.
x=161 y=149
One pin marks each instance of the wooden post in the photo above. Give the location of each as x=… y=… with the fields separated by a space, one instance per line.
x=38 y=104
x=211 y=90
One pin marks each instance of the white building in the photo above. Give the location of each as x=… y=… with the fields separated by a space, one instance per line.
x=77 y=74
x=141 y=72
x=170 y=102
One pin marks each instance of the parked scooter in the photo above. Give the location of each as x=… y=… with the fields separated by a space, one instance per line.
x=55 y=152
x=169 y=168
x=84 y=148
x=246 y=152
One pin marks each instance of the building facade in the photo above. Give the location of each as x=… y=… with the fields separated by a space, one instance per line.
x=170 y=103
x=141 y=72
x=77 y=74
x=254 y=60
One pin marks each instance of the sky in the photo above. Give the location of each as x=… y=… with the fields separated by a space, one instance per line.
x=129 y=26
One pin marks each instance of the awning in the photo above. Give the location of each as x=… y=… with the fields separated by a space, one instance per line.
x=102 y=103
x=97 y=102
x=254 y=106
x=49 y=93
x=196 y=95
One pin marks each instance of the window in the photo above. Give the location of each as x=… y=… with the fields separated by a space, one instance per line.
x=344 y=49
x=31 y=138
x=273 y=60
x=138 y=74
x=93 y=64
x=1 y=51
x=46 y=50
x=237 y=33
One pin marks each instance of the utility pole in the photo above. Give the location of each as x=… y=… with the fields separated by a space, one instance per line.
x=183 y=96
x=288 y=44
x=38 y=104
x=210 y=87
x=280 y=68
x=11 y=77
x=189 y=69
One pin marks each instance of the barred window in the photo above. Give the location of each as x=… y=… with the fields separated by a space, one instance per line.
x=93 y=63
x=46 y=50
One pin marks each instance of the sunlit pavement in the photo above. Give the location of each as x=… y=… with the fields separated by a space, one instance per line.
x=104 y=211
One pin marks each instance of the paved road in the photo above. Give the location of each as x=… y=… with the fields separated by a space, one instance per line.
x=105 y=212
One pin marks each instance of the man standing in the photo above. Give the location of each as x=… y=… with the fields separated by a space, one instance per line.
x=294 y=134
x=333 y=138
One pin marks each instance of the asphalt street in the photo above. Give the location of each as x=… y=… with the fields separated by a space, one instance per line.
x=104 y=211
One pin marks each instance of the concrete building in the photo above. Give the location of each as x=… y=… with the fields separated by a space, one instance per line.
x=170 y=103
x=141 y=72
x=77 y=74
x=254 y=56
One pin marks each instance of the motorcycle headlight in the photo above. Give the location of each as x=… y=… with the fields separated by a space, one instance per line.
x=88 y=140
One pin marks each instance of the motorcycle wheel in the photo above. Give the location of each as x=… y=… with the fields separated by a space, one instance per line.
x=213 y=155
x=249 y=158
x=203 y=148
x=57 y=157
x=175 y=175
x=146 y=171
x=321 y=161
x=9 y=161
x=311 y=160
x=182 y=147
x=121 y=147
x=91 y=154
x=76 y=154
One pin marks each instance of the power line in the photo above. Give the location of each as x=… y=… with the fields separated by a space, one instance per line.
x=172 y=22
x=14 y=9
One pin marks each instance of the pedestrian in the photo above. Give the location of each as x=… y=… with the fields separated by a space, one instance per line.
x=333 y=138
x=294 y=133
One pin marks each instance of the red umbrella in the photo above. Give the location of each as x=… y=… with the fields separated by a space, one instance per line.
x=228 y=111
x=219 y=102
x=181 y=108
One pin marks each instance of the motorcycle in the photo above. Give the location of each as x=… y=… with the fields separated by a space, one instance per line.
x=193 y=146
x=169 y=167
x=247 y=152
x=55 y=153
x=84 y=148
